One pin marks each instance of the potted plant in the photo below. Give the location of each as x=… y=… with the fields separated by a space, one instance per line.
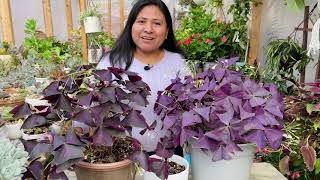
x=205 y=40
x=166 y=165
x=13 y=160
x=222 y=113
x=91 y=20
x=12 y=125
x=8 y=61
x=98 y=108
x=96 y=43
x=284 y=56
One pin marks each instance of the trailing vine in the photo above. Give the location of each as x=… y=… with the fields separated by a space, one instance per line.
x=241 y=12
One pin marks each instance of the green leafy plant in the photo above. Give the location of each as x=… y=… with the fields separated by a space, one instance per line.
x=13 y=160
x=89 y=12
x=100 y=40
x=284 y=56
x=204 y=39
x=6 y=115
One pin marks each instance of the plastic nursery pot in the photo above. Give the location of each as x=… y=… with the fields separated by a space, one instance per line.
x=94 y=55
x=14 y=130
x=92 y=24
x=180 y=176
x=239 y=167
x=123 y=170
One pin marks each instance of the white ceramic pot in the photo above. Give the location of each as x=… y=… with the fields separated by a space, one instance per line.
x=180 y=176
x=239 y=168
x=94 y=55
x=199 y=2
x=14 y=130
x=92 y=24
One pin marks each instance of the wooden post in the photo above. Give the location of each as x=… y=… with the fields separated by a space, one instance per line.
x=304 y=40
x=121 y=14
x=47 y=17
x=109 y=16
x=83 y=34
x=254 y=44
x=69 y=18
x=6 y=21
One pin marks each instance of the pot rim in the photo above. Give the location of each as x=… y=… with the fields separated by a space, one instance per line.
x=104 y=166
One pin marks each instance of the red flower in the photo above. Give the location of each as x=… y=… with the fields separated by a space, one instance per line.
x=179 y=43
x=224 y=39
x=209 y=41
x=188 y=41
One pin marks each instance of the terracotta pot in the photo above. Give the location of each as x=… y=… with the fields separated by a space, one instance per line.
x=123 y=170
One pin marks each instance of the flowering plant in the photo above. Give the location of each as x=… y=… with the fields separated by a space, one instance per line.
x=222 y=109
x=205 y=39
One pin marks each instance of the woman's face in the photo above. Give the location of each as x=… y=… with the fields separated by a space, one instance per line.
x=149 y=29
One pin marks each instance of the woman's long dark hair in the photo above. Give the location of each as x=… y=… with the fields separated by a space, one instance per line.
x=123 y=51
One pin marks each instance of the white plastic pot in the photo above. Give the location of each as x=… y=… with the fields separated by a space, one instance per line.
x=92 y=24
x=239 y=168
x=94 y=55
x=180 y=176
x=14 y=130
x=31 y=137
x=199 y=2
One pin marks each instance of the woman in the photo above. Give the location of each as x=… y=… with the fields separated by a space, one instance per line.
x=148 y=46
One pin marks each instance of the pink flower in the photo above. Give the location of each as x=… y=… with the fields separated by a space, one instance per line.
x=209 y=41
x=188 y=41
x=179 y=43
x=224 y=39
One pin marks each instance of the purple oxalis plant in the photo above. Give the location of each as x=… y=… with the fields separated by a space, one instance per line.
x=99 y=105
x=222 y=109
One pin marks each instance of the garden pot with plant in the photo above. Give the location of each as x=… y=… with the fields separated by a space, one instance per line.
x=91 y=20
x=218 y=111
x=12 y=125
x=98 y=111
x=96 y=43
x=178 y=169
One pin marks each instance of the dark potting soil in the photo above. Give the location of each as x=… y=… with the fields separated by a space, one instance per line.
x=122 y=148
x=175 y=168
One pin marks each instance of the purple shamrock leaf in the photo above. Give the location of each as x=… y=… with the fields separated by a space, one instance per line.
x=34 y=120
x=274 y=137
x=102 y=137
x=190 y=118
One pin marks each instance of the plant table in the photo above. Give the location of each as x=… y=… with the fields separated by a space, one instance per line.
x=260 y=171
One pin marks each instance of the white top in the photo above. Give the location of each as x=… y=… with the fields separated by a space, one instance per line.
x=158 y=78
